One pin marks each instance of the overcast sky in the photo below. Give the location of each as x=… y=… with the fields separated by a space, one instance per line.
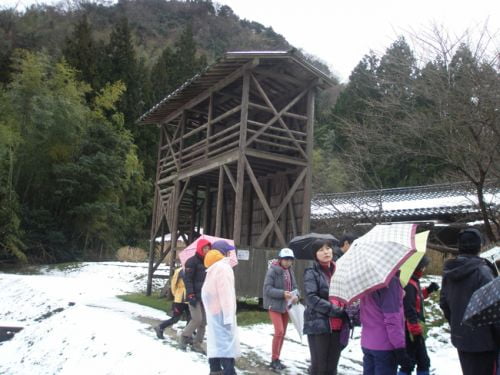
x=340 y=32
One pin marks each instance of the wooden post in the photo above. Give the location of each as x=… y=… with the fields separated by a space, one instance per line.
x=240 y=177
x=154 y=218
x=306 y=204
x=220 y=197
x=194 y=206
x=173 y=229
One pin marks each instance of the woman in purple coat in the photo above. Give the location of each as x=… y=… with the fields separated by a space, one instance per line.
x=382 y=334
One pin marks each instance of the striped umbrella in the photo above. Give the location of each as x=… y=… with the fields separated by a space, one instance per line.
x=372 y=260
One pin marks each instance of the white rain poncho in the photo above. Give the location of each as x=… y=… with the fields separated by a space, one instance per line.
x=219 y=299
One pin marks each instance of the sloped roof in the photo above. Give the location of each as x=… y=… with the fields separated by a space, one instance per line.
x=418 y=201
x=217 y=71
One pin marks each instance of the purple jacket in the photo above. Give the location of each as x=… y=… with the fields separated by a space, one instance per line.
x=382 y=318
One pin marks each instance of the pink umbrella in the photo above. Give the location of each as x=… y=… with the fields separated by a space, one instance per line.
x=190 y=250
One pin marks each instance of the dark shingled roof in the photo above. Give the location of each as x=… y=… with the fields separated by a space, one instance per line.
x=223 y=67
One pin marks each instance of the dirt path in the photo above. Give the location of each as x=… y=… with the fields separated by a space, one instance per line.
x=249 y=363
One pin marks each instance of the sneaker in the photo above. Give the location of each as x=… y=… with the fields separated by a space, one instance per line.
x=159 y=332
x=281 y=364
x=198 y=347
x=184 y=341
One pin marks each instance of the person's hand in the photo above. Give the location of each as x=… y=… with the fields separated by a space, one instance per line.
x=402 y=357
x=295 y=299
x=432 y=287
x=414 y=328
x=288 y=295
x=191 y=298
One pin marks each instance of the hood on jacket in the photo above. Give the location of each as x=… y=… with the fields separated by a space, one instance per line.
x=199 y=246
x=462 y=266
x=213 y=256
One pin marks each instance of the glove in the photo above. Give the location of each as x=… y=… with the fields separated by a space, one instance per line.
x=191 y=298
x=432 y=287
x=402 y=358
x=414 y=328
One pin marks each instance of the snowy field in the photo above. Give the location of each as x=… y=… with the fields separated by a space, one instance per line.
x=74 y=324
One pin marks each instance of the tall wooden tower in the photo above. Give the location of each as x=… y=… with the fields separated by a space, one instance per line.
x=235 y=157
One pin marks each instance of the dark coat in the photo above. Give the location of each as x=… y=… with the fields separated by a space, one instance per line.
x=337 y=253
x=318 y=308
x=194 y=275
x=274 y=289
x=462 y=276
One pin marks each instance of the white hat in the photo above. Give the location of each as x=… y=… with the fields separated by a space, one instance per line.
x=286 y=253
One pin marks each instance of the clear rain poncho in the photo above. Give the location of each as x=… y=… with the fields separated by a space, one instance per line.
x=219 y=299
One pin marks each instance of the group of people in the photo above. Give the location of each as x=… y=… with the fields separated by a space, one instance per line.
x=207 y=289
x=392 y=318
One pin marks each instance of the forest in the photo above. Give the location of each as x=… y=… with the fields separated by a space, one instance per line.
x=77 y=171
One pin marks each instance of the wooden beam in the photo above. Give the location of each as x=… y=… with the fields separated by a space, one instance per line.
x=209 y=122
x=219 y=85
x=220 y=198
x=280 y=120
x=240 y=174
x=282 y=206
x=263 y=201
x=218 y=161
x=277 y=116
x=230 y=176
x=306 y=203
x=275 y=157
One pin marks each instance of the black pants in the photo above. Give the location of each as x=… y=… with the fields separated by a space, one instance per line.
x=477 y=363
x=226 y=365
x=177 y=310
x=325 y=353
x=417 y=351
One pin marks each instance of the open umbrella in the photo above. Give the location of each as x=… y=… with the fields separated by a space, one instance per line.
x=190 y=250
x=409 y=266
x=372 y=260
x=484 y=305
x=301 y=245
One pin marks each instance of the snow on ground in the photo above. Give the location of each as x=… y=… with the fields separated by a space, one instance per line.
x=74 y=324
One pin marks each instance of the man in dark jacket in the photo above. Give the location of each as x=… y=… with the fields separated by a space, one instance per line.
x=462 y=276
x=194 y=276
x=345 y=243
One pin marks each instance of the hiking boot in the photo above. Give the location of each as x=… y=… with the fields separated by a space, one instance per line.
x=159 y=332
x=216 y=372
x=281 y=364
x=184 y=341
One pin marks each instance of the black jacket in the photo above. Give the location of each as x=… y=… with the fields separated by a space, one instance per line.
x=194 y=275
x=318 y=308
x=337 y=253
x=462 y=276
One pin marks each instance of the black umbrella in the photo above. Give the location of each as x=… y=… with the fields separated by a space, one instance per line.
x=484 y=305
x=301 y=245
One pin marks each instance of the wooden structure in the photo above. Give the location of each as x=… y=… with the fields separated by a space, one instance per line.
x=234 y=157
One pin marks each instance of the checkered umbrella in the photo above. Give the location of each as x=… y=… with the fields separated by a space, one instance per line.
x=372 y=260
x=484 y=305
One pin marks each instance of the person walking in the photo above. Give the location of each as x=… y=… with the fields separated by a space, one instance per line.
x=179 y=305
x=219 y=298
x=382 y=330
x=194 y=277
x=279 y=292
x=477 y=347
x=323 y=320
x=413 y=303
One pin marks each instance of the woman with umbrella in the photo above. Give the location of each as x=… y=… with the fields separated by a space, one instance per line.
x=323 y=320
x=280 y=291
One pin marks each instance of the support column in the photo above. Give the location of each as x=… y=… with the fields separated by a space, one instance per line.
x=220 y=197
x=240 y=177
x=306 y=202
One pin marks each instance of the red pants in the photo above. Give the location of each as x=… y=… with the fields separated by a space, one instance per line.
x=280 y=321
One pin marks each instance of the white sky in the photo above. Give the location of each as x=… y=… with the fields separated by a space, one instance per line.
x=341 y=32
